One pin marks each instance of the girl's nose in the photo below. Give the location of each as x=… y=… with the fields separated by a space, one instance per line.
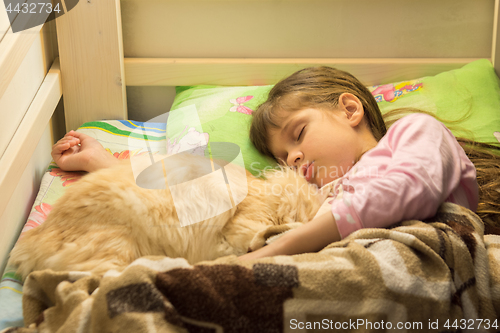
x=294 y=158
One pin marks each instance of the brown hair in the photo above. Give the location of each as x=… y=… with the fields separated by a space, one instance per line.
x=320 y=87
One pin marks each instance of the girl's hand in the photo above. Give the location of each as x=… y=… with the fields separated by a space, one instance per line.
x=247 y=256
x=80 y=152
x=265 y=251
x=309 y=237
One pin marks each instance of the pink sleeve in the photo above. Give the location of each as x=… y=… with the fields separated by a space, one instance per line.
x=413 y=169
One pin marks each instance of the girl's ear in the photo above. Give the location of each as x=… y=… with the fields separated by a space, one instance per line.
x=352 y=107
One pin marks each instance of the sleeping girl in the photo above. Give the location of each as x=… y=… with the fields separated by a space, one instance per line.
x=324 y=123
x=327 y=125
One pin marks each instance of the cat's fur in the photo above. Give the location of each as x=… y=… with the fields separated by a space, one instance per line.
x=105 y=221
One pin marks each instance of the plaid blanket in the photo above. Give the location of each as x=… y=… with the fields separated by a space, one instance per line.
x=437 y=275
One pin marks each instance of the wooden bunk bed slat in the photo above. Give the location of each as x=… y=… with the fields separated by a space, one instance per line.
x=22 y=146
x=234 y=72
x=91 y=53
x=495 y=52
x=13 y=49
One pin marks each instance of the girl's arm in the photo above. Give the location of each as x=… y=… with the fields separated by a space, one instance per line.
x=310 y=237
x=80 y=152
x=415 y=167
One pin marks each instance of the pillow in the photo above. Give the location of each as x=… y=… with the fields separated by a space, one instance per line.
x=225 y=115
x=471 y=93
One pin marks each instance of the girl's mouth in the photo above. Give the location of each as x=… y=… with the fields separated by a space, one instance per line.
x=307 y=170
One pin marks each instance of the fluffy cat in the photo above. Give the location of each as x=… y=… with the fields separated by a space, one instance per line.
x=106 y=221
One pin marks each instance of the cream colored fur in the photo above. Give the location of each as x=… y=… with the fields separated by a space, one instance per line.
x=105 y=221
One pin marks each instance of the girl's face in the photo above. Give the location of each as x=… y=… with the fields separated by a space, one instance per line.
x=323 y=147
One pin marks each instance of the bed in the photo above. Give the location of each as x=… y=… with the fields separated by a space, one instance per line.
x=121 y=60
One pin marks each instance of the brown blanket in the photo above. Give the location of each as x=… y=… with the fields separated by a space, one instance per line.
x=437 y=275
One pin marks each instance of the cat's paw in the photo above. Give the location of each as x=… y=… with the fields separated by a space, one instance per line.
x=270 y=234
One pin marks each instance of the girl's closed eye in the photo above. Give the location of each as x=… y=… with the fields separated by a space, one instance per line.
x=300 y=134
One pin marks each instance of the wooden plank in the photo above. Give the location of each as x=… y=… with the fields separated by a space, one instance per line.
x=19 y=206
x=20 y=92
x=13 y=49
x=91 y=53
x=24 y=141
x=495 y=48
x=4 y=22
x=231 y=72
x=307 y=28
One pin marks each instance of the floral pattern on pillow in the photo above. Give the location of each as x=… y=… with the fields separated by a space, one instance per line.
x=67 y=177
x=391 y=92
x=37 y=217
x=193 y=140
x=238 y=105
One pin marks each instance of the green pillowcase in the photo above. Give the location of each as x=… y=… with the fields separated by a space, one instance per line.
x=472 y=91
x=470 y=94
x=225 y=115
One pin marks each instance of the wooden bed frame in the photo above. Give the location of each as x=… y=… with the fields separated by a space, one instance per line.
x=106 y=50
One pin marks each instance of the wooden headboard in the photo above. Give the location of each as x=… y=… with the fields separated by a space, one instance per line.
x=110 y=57
x=251 y=42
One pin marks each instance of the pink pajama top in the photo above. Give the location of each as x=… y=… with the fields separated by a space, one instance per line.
x=414 y=168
